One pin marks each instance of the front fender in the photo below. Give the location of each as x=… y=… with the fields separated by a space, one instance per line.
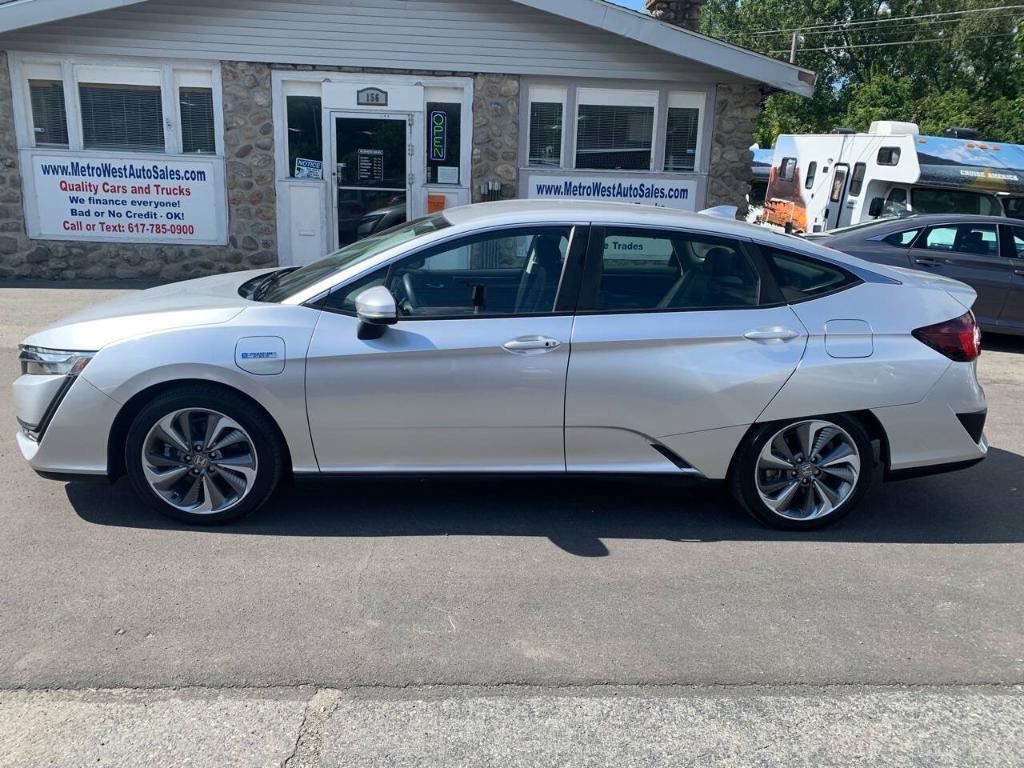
x=124 y=369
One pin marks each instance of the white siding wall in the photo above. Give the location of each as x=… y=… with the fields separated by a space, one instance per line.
x=448 y=35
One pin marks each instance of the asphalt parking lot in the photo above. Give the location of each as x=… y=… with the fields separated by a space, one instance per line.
x=522 y=621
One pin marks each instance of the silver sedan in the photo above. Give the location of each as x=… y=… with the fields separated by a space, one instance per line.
x=520 y=337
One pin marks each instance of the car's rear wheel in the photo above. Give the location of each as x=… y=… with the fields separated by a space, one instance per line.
x=203 y=455
x=805 y=473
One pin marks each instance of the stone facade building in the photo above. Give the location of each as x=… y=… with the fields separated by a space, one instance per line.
x=135 y=142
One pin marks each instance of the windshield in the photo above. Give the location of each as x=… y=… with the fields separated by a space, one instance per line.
x=954 y=201
x=1014 y=207
x=357 y=252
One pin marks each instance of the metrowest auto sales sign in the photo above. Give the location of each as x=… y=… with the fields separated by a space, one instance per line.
x=158 y=200
x=680 y=194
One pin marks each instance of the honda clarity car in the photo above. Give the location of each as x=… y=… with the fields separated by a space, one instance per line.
x=986 y=252
x=522 y=338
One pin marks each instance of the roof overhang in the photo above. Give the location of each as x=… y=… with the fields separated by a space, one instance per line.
x=16 y=14
x=599 y=14
x=682 y=43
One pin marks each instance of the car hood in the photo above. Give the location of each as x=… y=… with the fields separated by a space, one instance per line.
x=204 y=301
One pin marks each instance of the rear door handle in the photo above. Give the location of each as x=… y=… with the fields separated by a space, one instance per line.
x=531 y=345
x=772 y=333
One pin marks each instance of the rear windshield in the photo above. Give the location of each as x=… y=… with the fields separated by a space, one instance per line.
x=359 y=251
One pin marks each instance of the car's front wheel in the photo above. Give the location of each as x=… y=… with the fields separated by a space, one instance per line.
x=805 y=473
x=203 y=455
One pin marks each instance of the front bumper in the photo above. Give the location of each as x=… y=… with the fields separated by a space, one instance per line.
x=74 y=441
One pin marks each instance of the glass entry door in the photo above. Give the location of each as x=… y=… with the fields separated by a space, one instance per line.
x=371 y=155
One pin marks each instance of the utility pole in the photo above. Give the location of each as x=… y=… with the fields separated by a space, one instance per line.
x=792 y=48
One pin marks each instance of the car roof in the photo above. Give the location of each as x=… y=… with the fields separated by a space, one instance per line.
x=512 y=212
x=897 y=224
x=567 y=211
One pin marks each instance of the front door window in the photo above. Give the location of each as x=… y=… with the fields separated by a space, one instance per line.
x=372 y=155
x=514 y=272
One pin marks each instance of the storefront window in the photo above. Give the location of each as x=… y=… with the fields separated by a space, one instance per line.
x=546 y=134
x=614 y=137
x=128 y=117
x=49 y=116
x=305 y=137
x=444 y=142
x=614 y=129
x=681 y=139
x=124 y=108
x=198 y=132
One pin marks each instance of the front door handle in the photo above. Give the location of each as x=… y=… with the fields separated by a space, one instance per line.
x=531 y=345
x=772 y=333
x=927 y=261
x=1019 y=272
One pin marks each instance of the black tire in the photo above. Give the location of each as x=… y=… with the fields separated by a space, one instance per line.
x=743 y=473
x=270 y=458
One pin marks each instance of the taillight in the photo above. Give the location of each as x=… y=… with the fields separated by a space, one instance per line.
x=958 y=339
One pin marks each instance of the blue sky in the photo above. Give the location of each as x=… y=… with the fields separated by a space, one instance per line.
x=636 y=5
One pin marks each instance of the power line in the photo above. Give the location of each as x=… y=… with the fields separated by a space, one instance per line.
x=897 y=42
x=882 y=35
x=845 y=25
x=908 y=27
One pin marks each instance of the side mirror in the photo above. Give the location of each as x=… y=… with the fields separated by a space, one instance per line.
x=875 y=207
x=376 y=309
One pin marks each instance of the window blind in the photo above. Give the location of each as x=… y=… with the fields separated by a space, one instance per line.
x=126 y=117
x=681 y=139
x=197 y=126
x=546 y=134
x=614 y=137
x=49 y=116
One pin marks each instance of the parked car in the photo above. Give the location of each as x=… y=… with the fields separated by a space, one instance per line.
x=700 y=347
x=986 y=252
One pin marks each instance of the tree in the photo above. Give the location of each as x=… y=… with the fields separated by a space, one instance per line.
x=930 y=63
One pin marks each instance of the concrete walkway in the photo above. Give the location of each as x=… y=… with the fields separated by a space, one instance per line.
x=516 y=728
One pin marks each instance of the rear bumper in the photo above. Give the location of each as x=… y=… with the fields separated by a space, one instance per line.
x=933 y=469
x=943 y=432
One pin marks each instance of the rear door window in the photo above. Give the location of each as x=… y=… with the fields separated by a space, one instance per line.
x=977 y=239
x=644 y=270
x=901 y=239
x=801 y=277
x=1017 y=242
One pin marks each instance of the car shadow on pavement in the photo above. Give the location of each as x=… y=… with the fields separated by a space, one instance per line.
x=984 y=504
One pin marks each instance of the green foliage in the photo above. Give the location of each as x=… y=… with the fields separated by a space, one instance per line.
x=972 y=77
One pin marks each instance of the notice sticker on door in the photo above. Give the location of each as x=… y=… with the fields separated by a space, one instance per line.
x=308 y=169
x=371 y=165
x=447 y=174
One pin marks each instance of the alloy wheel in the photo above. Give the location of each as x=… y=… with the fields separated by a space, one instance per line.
x=807 y=470
x=199 y=461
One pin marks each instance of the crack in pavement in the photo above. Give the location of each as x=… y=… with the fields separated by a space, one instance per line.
x=309 y=740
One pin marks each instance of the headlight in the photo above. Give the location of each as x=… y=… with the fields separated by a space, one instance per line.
x=53 y=362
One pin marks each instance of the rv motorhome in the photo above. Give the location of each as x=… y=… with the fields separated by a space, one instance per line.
x=821 y=182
